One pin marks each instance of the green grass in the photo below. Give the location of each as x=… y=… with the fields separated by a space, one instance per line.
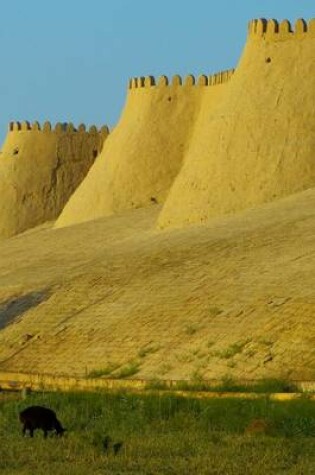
x=191 y=329
x=130 y=369
x=232 y=350
x=161 y=435
x=147 y=350
x=215 y=311
x=272 y=386
x=115 y=371
x=106 y=371
x=263 y=386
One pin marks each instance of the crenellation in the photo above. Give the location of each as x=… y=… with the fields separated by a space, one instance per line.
x=251 y=28
x=220 y=77
x=285 y=29
x=93 y=129
x=47 y=127
x=36 y=126
x=202 y=80
x=272 y=27
x=273 y=30
x=16 y=126
x=216 y=79
x=231 y=72
x=81 y=128
x=300 y=26
x=104 y=131
x=261 y=26
x=59 y=128
x=176 y=80
x=149 y=81
x=190 y=80
x=70 y=128
x=163 y=81
x=141 y=81
x=25 y=126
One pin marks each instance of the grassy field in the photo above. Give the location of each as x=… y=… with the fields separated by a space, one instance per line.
x=161 y=435
x=263 y=386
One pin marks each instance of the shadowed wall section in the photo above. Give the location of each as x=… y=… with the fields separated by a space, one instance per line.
x=144 y=153
x=259 y=144
x=40 y=168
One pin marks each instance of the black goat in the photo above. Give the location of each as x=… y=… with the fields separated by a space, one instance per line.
x=37 y=417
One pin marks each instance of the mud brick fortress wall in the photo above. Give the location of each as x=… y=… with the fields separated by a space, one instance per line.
x=215 y=145
x=40 y=167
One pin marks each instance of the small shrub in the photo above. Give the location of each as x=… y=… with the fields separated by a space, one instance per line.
x=191 y=329
x=231 y=364
x=214 y=311
x=147 y=350
x=130 y=369
x=197 y=376
x=185 y=358
x=106 y=371
x=231 y=350
x=165 y=368
x=265 y=341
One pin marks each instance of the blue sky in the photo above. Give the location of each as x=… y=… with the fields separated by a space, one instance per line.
x=70 y=60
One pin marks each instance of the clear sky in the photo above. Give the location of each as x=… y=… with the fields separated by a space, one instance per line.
x=70 y=60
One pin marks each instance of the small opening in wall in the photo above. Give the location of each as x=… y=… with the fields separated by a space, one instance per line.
x=15 y=151
x=268 y=60
x=95 y=153
x=169 y=99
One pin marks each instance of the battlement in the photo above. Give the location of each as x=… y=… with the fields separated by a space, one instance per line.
x=275 y=31
x=59 y=128
x=177 y=81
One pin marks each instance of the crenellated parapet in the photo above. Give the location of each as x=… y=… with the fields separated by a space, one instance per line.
x=59 y=128
x=280 y=31
x=177 y=81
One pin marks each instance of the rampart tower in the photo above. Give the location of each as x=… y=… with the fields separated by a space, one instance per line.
x=145 y=151
x=216 y=145
x=40 y=167
x=259 y=143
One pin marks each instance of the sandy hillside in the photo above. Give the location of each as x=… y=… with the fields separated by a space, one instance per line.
x=232 y=297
